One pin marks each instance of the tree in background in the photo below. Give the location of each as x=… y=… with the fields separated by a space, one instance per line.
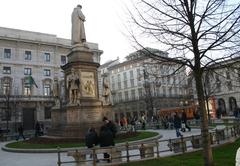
x=198 y=33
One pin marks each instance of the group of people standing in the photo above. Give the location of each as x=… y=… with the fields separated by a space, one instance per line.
x=105 y=138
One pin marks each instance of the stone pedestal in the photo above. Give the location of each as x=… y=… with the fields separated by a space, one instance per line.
x=86 y=110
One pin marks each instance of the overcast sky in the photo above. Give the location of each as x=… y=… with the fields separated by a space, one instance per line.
x=104 y=21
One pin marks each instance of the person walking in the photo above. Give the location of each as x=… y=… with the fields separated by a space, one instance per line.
x=184 y=120
x=20 y=132
x=177 y=125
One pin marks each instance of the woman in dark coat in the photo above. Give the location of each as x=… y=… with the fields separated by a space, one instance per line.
x=91 y=138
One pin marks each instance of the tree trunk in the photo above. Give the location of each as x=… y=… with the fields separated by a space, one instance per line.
x=207 y=150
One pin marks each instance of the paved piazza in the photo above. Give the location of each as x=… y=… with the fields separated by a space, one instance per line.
x=50 y=159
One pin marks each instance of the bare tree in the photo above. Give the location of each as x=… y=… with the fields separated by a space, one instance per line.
x=198 y=32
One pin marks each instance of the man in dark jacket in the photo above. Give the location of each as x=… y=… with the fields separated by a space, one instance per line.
x=110 y=125
x=106 y=139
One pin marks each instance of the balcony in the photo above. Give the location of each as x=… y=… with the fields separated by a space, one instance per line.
x=25 y=98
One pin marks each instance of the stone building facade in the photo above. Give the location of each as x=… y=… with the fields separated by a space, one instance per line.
x=141 y=85
x=222 y=82
x=30 y=63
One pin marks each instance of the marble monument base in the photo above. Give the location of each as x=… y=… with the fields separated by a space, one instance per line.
x=77 y=119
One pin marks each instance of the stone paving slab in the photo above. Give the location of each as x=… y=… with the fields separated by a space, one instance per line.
x=50 y=159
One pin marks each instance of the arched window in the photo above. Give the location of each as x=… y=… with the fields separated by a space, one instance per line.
x=232 y=103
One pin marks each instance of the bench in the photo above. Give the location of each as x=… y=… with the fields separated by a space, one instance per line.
x=196 y=142
x=220 y=132
x=177 y=145
x=146 y=150
x=81 y=154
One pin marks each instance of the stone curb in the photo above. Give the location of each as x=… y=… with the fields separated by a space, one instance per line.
x=147 y=140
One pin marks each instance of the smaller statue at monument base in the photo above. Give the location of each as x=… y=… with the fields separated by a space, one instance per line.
x=106 y=91
x=74 y=87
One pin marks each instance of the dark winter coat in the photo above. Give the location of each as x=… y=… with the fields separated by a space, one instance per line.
x=177 y=122
x=184 y=117
x=91 y=138
x=112 y=127
x=106 y=137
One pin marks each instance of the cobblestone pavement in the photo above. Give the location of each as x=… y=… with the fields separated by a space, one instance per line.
x=50 y=159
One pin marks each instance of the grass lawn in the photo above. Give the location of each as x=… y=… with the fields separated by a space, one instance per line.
x=223 y=156
x=27 y=145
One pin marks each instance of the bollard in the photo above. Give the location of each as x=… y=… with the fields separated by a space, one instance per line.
x=142 y=151
x=127 y=149
x=59 y=157
x=157 y=144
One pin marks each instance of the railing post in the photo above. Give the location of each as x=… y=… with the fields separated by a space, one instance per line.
x=170 y=144
x=94 y=155
x=157 y=144
x=234 y=131
x=211 y=138
x=231 y=132
x=227 y=136
x=59 y=157
x=217 y=136
x=193 y=141
x=183 y=145
x=127 y=150
x=111 y=154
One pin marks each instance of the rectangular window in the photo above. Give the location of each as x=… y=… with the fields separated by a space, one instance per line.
x=6 y=70
x=28 y=55
x=119 y=77
x=119 y=81
x=47 y=72
x=7 y=53
x=132 y=82
x=133 y=94
x=46 y=90
x=164 y=90
x=6 y=88
x=120 y=96
x=27 y=90
x=125 y=76
x=131 y=74
x=63 y=60
x=47 y=57
x=113 y=86
x=126 y=95
x=119 y=85
x=125 y=84
x=138 y=75
x=47 y=112
x=27 y=71
x=6 y=114
x=140 y=92
x=170 y=91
